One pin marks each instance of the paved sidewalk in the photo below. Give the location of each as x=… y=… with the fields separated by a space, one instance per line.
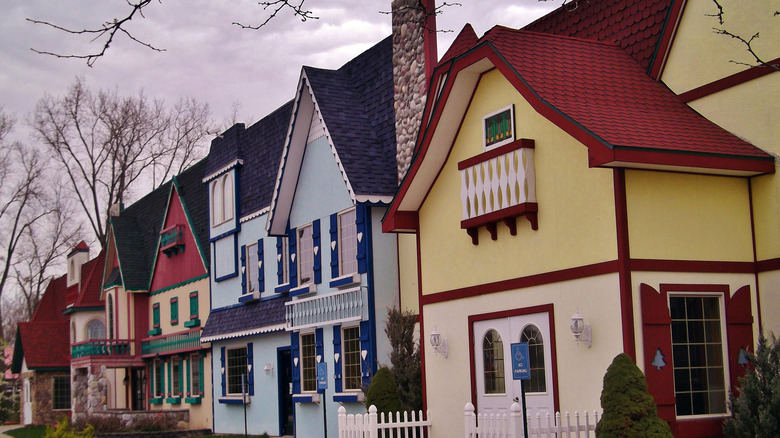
x=4 y=429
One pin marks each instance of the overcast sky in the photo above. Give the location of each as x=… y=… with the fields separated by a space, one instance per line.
x=207 y=57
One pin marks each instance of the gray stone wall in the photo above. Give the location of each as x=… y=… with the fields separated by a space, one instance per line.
x=408 y=76
x=89 y=391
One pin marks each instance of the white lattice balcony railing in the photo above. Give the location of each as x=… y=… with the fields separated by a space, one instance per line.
x=334 y=308
x=498 y=185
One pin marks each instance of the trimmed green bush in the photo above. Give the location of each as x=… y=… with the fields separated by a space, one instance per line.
x=756 y=412
x=629 y=410
x=382 y=392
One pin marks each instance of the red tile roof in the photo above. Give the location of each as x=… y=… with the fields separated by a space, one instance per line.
x=91 y=277
x=45 y=344
x=634 y=25
x=600 y=88
x=464 y=41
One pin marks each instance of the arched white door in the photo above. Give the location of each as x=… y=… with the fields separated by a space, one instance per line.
x=27 y=404
x=496 y=390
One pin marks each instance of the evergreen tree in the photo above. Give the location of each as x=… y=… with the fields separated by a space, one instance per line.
x=629 y=410
x=382 y=392
x=405 y=357
x=756 y=411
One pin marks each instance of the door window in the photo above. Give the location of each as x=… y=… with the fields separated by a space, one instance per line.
x=537 y=382
x=493 y=359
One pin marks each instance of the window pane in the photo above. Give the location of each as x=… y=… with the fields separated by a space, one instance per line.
x=236 y=368
x=493 y=360
x=305 y=255
x=96 y=330
x=251 y=268
x=195 y=374
x=347 y=243
x=61 y=392
x=158 y=378
x=285 y=261
x=533 y=337
x=351 y=358
x=176 y=375
x=308 y=363
x=699 y=375
x=227 y=196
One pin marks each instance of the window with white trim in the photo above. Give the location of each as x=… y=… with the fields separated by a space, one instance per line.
x=110 y=307
x=251 y=268
x=222 y=199
x=305 y=255
x=347 y=243
x=308 y=362
x=60 y=394
x=698 y=354
x=350 y=341
x=159 y=370
x=235 y=369
x=195 y=374
x=284 y=263
x=533 y=337
x=96 y=329
x=493 y=360
x=176 y=376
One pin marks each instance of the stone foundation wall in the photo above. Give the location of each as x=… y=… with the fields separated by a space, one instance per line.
x=89 y=391
x=41 y=388
x=180 y=417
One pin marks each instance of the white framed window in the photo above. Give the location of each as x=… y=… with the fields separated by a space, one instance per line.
x=347 y=242
x=305 y=254
x=308 y=352
x=493 y=360
x=159 y=375
x=177 y=373
x=284 y=276
x=698 y=353
x=96 y=329
x=222 y=199
x=350 y=342
x=251 y=268
x=236 y=370
x=533 y=336
x=498 y=128
x=110 y=309
x=60 y=394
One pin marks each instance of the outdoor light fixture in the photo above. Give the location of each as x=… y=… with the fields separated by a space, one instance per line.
x=438 y=343
x=580 y=330
x=268 y=369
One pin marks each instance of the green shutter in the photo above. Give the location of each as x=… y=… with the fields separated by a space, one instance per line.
x=174 y=311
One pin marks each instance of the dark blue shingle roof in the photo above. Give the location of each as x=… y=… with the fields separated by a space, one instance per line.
x=249 y=317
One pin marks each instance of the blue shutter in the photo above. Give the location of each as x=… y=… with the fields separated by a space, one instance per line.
x=334 y=245
x=294 y=354
x=279 y=261
x=293 y=274
x=243 y=269
x=361 y=220
x=337 y=350
x=222 y=370
x=365 y=345
x=261 y=267
x=251 y=376
x=317 y=251
x=318 y=344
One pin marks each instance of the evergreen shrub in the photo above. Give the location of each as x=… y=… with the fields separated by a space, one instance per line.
x=629 y=410
x=382 y=392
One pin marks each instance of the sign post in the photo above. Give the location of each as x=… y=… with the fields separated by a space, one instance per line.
x=521 y=370
x=322 y=385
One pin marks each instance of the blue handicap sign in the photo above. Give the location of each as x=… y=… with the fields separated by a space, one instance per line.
x=322 y=376
x=521 y=369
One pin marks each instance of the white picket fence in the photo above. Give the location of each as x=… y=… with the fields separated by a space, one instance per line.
x=373 y=425
x=510 y=425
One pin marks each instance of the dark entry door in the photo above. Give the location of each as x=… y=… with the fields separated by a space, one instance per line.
x=138 y=389
x=284 y=364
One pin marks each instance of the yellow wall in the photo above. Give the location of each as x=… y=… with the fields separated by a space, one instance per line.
x=183 y=295
x=407 y=272
x=699 y=56
x=576 y=205
x=675 y=216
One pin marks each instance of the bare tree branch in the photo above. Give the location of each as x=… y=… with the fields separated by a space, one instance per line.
x=747 y=42
x=425 y=14
x=108 y=30
x=277 y=6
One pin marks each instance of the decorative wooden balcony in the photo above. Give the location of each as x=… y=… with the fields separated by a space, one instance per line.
x=499 y=186
x=102 y=347
x=170 y=343
x=172 y=240
x=334 y=308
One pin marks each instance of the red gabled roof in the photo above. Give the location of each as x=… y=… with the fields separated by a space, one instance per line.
x=464 y=41
x=53 y=302
x=45 y=344
x=634 y=25
x=91 y=276
x=595 y=86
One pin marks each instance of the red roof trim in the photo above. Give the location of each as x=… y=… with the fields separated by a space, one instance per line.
x=729 y=81
x=661 y=54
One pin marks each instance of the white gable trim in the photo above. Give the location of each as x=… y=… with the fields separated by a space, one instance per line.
x=242 y=333
x=298 y=136
x=257 y=213
x=229 y=166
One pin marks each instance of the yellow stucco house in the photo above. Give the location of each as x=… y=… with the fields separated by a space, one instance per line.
x=601 y=181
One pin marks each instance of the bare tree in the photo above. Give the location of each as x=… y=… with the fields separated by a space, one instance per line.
x=22 y=199
x=107 y=144
x=746 y=40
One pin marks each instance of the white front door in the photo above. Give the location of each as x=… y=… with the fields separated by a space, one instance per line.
x=27 y=405
x=496 y=390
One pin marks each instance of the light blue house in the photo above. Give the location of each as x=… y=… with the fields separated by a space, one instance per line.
x=302 y=276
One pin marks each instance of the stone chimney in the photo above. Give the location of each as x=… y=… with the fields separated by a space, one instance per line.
x=414 y=57
x=76 y=258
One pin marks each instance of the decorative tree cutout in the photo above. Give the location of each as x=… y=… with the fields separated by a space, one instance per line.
x=658 y=360
x=742 y=359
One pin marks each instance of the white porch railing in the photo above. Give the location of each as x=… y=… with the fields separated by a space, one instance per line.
x=373 y=425
x=510 y=425
x=342 y=306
